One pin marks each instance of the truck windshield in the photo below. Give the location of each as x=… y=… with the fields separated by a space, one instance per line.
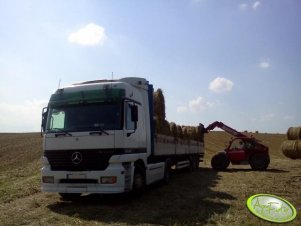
x=85 y=117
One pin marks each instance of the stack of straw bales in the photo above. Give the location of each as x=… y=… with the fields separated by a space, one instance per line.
x=162 y=126
x=171 y=129
x=291 y=148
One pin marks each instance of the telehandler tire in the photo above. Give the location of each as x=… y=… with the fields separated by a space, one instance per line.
x=259 y=162
x=220 y=161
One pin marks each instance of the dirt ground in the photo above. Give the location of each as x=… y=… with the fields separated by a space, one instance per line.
x=203 y=197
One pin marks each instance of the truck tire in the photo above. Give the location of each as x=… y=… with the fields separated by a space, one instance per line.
x=220 y=161
x=167 y=171
x=138 y=181
x=197 y=162
x=259 y=162
x=192 y=164
x=69 y=196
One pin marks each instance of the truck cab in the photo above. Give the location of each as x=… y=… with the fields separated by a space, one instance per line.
x=99 y=138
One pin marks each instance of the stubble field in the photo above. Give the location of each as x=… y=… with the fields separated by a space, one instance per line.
x=203 y=197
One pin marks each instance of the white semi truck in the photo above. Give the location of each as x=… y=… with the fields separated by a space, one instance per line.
x=99 y=137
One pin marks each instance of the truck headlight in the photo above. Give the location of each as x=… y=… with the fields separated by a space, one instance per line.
x=48 y=179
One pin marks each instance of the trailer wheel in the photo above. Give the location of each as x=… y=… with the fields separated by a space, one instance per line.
x=192 y=164
x=139 y=181
x=197 y=162
x=167 y=171
x=220 y=161
x=259 y=162
x=69 y=196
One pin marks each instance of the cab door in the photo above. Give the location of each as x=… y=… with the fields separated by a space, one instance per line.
x=132 y=132
x=236 y=151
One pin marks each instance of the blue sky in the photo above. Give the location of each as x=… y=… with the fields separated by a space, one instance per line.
x=234 y=61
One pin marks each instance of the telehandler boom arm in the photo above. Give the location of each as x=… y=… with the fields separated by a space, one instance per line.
x=224 y=127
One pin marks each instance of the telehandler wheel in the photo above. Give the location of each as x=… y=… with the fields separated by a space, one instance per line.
x=220 y=161
x=259 y=162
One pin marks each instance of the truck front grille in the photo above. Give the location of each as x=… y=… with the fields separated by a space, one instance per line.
x=78 y=160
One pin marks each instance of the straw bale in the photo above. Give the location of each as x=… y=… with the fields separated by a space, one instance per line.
x=292 y=149
x=294 y=133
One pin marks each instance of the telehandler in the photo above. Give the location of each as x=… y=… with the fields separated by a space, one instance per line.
x=242 y=150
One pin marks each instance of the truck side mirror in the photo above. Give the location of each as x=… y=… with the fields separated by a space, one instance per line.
x=134 y=113
x=201 y=131
x=44 y=119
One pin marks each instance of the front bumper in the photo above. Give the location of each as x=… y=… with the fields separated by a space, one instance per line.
x=87 y=181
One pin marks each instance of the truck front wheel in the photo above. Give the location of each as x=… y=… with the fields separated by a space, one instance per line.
x=220 y=161
x=139 y=181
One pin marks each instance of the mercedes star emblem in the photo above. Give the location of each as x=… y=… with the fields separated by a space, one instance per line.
x=76 y=158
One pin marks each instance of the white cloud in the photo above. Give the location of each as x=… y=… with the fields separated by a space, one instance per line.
x=220 y=85
x=22 y=117
x=89 y=35
x=196 y=105
x=3 y=61
x=199 y=104
x=264 y=63
x=198 y=1
x=182 y=109
x=267 y=117
x=256 y=5
x=243 y=7
x=288 y=117
x=264 y=117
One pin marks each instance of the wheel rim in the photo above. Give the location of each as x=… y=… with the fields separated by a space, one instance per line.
x=139 y=181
